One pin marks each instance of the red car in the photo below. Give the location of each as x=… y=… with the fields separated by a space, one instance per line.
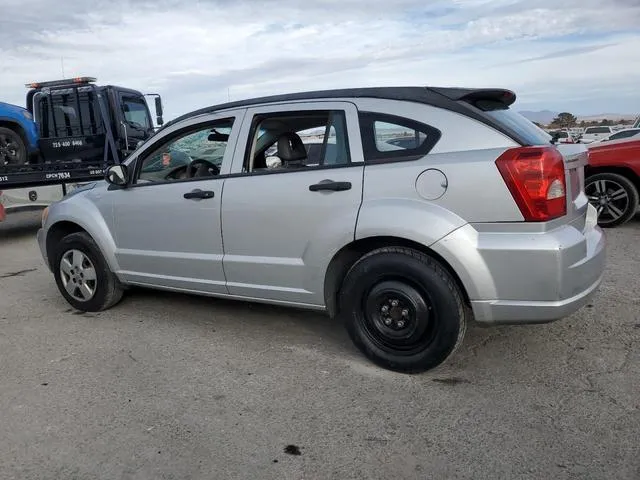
x=613 y=180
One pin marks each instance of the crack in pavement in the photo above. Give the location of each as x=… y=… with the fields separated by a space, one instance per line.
x=19 y=273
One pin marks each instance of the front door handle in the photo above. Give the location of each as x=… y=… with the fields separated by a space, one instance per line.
x=198 y=194
x=330 y=185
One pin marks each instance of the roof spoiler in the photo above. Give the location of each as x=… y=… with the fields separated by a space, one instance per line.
x=472 y=95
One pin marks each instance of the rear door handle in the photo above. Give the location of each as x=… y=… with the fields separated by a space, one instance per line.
x=330 y=185
x=199 y=194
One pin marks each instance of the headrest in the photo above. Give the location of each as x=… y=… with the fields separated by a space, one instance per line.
x=291 y=148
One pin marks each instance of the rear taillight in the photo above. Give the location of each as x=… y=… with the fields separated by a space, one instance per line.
x=535 y=177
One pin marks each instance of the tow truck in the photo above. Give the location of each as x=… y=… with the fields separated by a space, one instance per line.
x=70 y=131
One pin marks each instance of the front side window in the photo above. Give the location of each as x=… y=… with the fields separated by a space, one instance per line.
x=294 y=140
x=197 y=152
x=389 y=137
x=135 y=113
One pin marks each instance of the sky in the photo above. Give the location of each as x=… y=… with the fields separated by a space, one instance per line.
x=581 y=56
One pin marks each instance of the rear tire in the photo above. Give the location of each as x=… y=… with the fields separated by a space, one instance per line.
x=13 y=150
x=82 y=274
x=614 y=196
x=402 y=309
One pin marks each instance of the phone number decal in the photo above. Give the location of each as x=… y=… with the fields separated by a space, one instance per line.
x=67 y=143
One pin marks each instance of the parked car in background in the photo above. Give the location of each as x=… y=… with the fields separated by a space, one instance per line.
x=619 y=135
x=563 y=136
x=405 y=241
x=591 y=134
x=613 y=180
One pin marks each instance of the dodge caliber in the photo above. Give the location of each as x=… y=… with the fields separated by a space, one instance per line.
x=403 y=212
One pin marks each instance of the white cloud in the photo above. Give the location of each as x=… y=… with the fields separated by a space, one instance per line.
x=193 y=52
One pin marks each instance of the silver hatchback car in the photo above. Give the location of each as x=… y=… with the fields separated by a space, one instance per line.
x=404 y=211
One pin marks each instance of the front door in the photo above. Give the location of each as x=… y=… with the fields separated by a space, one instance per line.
x=292 y=200
x=167 y=224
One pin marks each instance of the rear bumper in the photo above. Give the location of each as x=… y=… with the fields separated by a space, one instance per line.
x=525 y=278
x=505 y=312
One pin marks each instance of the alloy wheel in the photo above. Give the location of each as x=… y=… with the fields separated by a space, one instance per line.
x=78 y=275
x=610 y=199
x=9 y=150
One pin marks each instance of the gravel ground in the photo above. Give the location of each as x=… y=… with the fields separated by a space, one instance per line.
x=168 y=386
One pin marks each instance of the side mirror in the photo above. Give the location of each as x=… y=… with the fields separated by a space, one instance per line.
x=117 y=175
x=159 y=119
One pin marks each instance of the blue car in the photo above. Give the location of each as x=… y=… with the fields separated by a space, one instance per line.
x=18 y=135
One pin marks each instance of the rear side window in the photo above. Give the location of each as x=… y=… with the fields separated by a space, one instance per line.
x=394 y=138
x=507 y=118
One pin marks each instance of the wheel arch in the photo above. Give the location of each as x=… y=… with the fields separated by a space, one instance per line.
x=348 y=255
x=28 y=139
x=67 y=224
x=57 y=232
x=19 y=129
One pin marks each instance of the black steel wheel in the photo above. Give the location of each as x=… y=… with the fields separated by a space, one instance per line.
x=13 y=151
x=614 y=196
x=396 y=316
x=402 y=309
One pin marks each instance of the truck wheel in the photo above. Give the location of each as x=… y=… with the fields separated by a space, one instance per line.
x=402 y=309
x=614 y=196
x=13 y=151
x=82 y=274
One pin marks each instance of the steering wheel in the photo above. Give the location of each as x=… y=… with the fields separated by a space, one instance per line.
x=177 y=173
x=197 y=165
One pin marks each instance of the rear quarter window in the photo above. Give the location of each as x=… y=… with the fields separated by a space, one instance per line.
x=388 y=138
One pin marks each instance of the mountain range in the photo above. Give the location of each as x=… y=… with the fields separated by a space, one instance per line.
x=546 y=116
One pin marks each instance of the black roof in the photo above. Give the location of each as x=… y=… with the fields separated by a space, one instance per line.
x=444 y=97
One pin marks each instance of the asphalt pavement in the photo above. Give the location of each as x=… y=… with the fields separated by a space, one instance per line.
x=169 y=386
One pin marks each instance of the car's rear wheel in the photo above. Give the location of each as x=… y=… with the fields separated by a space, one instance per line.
x=402 y=309
x=614 y=196
x=13 y=151
x=82 y=274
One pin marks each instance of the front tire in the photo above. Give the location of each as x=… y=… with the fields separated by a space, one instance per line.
x=614 y=196
x=82 y=274
x=402 y=309
x=13 y=151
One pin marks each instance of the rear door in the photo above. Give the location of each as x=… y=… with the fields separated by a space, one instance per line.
x=282 y=224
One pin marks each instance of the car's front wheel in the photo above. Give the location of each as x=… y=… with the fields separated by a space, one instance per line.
x=82 y=274
x=614 y=196
x=13 y=151
x=402 y=309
